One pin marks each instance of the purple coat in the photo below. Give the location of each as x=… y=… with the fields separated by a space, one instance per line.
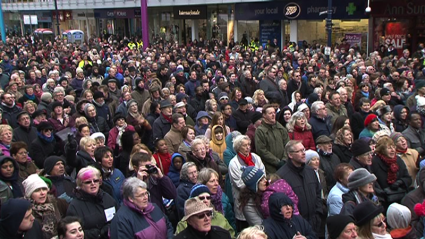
x=280 y=186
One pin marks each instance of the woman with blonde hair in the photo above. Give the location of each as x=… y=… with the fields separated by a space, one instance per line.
x=6 y=135
x=259 y=99
x=299 y=129
x=254 y=232
x=370 y=221
x=30 y=107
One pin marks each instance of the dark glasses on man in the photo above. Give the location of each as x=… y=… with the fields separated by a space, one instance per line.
x=204 y=197
x=202 y=216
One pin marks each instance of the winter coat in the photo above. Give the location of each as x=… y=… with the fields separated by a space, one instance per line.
x=160 y=127
x=252 y=213
x=214 y=233
x=414 y=197
x=10 y=114
x=277 y=227
x=217 y=220
x=410 y=158
x=243 y=119
x=115 y=180
x=320 y=126
x=334 y=200
x=13 y=183
x=91 y=209
x=218 y=146
x=160 y=188
x=57 y=125
x=293 y=86
x=173 y=172
x=306 y=186
x=303 y=135
x=228 y=155
x=235 y=178
x=131 y=222
x=24 y=134
x=173 y=139
x=415 y=139
x=183 y=192
x=104 y=112
x=380 y=169
x=113 y=135
x=98 y=124
x=64 y=186
x=335 y=113
x=270 y=141
x=5 y=192
x=354 y=198
x=83 y=160
x=207 y=162
x=184 y=149
x=190 y=87
x=328 y=163
x=40 y=149
x=280 y=186
x=357 y=122
x=399 y=124
x=26 y=169
x=343 y=152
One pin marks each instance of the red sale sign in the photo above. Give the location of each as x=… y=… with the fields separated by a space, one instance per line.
x=395 y=33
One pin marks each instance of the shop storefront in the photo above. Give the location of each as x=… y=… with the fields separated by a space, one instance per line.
x=65 y=20
x=111 y=21
x=193 y=22
x=300 y=21
x=84 y=20
x=401 y=23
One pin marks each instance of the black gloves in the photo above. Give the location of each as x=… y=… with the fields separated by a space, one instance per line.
x=396 y=185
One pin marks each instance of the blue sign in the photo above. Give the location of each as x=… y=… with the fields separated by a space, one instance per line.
x=270 y=30
x=302 y=10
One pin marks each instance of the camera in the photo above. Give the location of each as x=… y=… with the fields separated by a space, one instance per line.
x=150 y=169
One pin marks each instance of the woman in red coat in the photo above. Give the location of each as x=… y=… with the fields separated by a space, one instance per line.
x=114 y=139
x=299 y=129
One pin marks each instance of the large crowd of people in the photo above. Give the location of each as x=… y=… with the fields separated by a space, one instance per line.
x=210 y=140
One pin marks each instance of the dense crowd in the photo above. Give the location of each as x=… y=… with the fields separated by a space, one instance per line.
x=210 y=140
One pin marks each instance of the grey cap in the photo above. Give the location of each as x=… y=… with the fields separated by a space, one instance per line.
x=360 y=177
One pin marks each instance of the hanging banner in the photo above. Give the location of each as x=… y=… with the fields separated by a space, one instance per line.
x=395 y=33
x=354 y=39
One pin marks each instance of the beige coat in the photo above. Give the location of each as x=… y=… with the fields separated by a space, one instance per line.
x=410 y=158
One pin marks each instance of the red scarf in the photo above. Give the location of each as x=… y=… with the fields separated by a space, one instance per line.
x=392 y=167
x=247 y=159
x=169 y=119
x=401 y=151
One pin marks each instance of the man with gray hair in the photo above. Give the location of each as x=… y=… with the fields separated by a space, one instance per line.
x=304 y=183
x=320 y=121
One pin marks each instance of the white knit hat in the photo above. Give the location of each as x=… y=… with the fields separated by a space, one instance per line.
x=398 y=216
x=32 y=183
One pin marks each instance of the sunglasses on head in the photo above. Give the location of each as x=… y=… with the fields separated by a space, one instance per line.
x=202 y=216
x=91 y=181
x=204 y=197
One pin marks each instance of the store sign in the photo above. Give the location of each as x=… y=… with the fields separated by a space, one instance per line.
x=353 y=39
x=123 y=13
x=192 y=12
x=302 y=10
x=292 y=10
x=398 y=8
x=270 y=30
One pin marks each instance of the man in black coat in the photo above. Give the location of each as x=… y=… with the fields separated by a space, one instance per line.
x=304 y=183
x=243 y=116
x=9 y=109
x=297 y=84
x=24 y=132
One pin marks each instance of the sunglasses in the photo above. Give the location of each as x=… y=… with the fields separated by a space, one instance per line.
x=91 y=181
x=202 y=216
x=204 y=197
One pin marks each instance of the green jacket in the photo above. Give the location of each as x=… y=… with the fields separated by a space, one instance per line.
x=217 y=220
x=270 y=141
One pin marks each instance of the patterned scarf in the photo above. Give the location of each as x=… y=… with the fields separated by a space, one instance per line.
x=121 y=130
x=46 y=212
x=216 y=200
x=392 y=167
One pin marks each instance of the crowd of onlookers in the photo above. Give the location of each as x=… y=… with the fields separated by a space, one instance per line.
x=210 y=140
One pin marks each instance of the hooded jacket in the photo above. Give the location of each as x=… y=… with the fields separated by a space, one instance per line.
x=280 y=186
x=14 y=181
x=12 y=214
x=276 y=226
x=173 y=172
x=399 y=124
x=218 y=146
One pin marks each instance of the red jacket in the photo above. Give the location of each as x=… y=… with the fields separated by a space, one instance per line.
x=303 y=135
x=113 y=134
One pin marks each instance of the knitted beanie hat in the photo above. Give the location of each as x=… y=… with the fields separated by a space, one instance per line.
x=251 y=176
x=336 y=224
x=50 y=162
x=198 y=189
x=309 y=154
x=395 y=136
x=360 y=147
x=360 y=177
x=369 y=119
x=32 y=183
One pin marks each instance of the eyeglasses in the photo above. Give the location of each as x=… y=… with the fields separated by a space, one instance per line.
x=204 y=197
x=380 y=224
x=145 y=194
x=202 y=216
x=23 y=153
x=91 y=181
